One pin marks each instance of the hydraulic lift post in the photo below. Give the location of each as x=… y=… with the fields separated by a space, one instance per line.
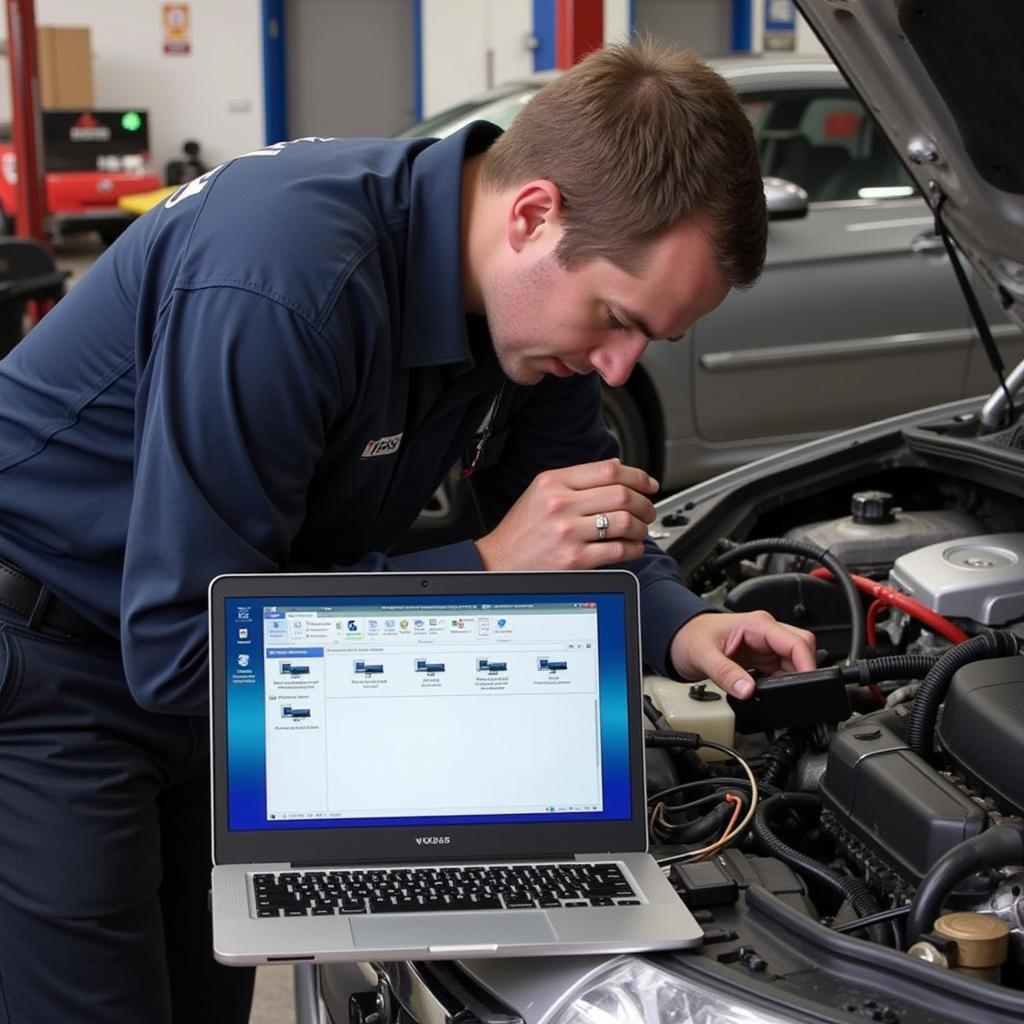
x=25 y=117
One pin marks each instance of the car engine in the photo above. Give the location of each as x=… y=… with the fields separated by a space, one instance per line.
x=890 y=779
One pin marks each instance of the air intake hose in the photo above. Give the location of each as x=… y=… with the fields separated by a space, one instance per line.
x=925 y=710
x=994 y=848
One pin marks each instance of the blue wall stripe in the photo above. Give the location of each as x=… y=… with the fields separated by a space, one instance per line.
x=544 y=30
x=742 y=26
x=632 y=19
x=275 y=81
x=417 y=58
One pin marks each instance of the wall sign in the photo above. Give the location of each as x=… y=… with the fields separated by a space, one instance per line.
x=177 y=33
x=779 y=25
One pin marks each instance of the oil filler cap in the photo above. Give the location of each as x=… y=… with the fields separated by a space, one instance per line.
x=871 y=507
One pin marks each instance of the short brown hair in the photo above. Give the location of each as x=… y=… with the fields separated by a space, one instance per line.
x=639 y=138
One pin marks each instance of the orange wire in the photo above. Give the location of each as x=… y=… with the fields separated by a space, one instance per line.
x=737 y=803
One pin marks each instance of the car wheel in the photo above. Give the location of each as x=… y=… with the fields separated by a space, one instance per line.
x=6 y=224
x=623 y=419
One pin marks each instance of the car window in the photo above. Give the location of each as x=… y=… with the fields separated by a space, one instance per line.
x=828 y=144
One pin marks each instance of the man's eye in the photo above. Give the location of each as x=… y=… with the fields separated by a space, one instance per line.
x=615 y=323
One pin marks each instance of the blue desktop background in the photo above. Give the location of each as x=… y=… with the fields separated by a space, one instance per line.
x=245 y=703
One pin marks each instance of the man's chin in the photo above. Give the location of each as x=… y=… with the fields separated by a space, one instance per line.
x=526 y=378
x=518 y=373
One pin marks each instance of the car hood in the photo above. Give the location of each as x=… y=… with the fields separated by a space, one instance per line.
x=945 y=81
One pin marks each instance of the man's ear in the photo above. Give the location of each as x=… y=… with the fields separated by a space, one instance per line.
x=534 y=214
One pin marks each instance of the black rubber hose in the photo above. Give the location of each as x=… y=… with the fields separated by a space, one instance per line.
x=892 y=666
x=925 y=710
x=994 y=848
x=686 y=760
x=700 y=828
x=781 y=756
x=780 y=545
x=850 y=889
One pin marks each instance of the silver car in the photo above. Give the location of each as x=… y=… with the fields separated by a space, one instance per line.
x=857 y=290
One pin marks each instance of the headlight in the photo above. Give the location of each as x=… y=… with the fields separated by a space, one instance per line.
x=636 y=992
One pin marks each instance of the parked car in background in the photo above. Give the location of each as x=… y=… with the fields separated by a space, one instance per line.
x=853 y=296
x=92 y=158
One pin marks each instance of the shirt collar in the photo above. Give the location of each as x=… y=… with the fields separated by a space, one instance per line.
x=434 y=318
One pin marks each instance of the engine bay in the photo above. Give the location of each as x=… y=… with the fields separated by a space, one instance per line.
x=888 y=803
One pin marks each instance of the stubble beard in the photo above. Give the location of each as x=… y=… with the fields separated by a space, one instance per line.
x=506 y=302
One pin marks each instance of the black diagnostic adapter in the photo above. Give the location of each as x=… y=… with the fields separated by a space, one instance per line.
x=799 y=699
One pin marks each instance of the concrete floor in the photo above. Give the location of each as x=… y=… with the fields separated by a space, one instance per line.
x=273 y=1002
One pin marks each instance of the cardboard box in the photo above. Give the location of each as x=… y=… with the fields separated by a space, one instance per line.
x=65 y=68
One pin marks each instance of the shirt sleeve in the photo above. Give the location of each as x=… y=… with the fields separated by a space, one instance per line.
x=236 y=398
x=561 y=425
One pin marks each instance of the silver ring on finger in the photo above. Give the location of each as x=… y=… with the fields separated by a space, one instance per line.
x=601 y=521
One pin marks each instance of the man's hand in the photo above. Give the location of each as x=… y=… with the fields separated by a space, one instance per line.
x=719 y=647
x=555 y=523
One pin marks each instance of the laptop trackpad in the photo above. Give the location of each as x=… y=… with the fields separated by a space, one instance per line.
x=476 y=928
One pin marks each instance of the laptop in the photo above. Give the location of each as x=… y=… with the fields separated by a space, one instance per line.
x=431 y=766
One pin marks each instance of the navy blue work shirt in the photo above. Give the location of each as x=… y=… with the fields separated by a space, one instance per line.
x=272 y=371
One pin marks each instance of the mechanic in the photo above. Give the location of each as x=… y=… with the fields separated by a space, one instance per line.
x=273 y=372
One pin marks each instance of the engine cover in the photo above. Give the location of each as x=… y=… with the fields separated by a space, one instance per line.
x=982 y=728
x=889 y=809
x=977 y=578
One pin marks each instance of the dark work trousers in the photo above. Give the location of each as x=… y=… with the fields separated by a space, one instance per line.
x=104 y=847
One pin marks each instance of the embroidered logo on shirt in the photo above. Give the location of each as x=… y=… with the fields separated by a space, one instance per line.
x=382 y=446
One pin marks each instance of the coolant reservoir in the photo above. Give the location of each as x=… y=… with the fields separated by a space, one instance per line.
x=875 y=533
x=694 y=707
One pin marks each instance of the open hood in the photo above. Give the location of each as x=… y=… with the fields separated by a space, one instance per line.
x=945 y=80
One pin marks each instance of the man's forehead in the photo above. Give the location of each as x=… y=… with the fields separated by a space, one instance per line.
x=680 y=282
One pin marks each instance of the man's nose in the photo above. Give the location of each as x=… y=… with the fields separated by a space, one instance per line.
x=614 y=362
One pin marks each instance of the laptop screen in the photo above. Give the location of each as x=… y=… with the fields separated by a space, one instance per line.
x=358 y=712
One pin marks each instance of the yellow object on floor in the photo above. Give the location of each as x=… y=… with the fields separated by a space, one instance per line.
x=140 y=202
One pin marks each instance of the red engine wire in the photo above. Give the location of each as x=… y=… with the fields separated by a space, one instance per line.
x=870 y=630
x=881 y=592
x=871 y=635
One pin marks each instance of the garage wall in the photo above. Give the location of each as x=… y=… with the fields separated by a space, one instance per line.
x=337 y=82
x=470 y=46
x=617 y=14
x=214 y=94
x=703 y=26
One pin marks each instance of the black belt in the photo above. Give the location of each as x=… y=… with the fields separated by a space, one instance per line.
x=42 y=610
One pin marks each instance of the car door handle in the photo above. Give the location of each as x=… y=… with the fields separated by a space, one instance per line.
x=927 y=244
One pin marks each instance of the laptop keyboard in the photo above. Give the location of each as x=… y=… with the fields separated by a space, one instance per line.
x=408 y=890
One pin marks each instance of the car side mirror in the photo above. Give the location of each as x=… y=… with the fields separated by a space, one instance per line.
x=785 y=200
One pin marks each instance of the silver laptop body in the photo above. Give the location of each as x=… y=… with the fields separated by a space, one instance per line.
x=390 y=749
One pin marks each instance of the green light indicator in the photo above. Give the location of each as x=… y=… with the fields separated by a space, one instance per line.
x=131 y=121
